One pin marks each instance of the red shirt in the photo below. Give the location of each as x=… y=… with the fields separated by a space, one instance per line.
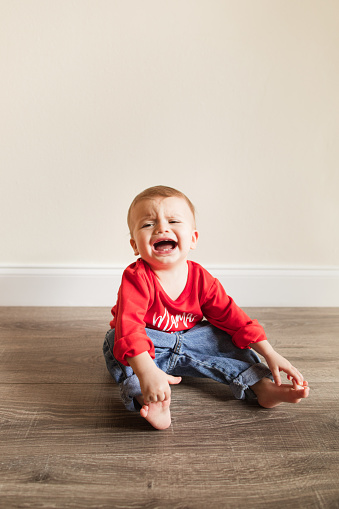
x=142 y=302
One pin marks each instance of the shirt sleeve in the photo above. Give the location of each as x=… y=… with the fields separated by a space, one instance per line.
x=222 y=312
x=129 y=313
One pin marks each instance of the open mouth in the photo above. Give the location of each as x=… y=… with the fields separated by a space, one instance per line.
x=164 y=246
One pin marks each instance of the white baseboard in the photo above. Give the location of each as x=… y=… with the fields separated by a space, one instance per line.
x=249 y=287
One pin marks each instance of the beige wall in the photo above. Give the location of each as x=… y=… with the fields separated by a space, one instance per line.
x=234 y=102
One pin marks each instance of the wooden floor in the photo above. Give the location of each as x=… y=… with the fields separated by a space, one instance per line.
x=67 y=442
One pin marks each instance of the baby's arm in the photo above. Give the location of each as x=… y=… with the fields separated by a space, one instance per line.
x=277 y=363
x=154 y=383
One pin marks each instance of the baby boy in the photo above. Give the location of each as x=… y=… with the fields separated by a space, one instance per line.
x=173 y=319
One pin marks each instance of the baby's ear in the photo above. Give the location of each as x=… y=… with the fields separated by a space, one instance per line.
x=195 y=236
x=134 y=247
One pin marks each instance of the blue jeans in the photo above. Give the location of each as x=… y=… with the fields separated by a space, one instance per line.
x=203 y=351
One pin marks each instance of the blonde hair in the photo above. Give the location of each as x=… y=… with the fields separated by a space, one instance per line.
x=155 y=192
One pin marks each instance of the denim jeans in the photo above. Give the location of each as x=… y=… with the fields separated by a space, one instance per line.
x=203 y=351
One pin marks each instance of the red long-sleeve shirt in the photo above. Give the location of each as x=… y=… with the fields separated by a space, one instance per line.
x=142 y=302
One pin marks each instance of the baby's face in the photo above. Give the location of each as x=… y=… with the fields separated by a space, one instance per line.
x=163 y=231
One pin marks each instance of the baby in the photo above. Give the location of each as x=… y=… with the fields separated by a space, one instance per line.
x=172 y=318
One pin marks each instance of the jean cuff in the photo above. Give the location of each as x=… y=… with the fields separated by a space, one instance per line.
x=129 y=390
x=240 y=386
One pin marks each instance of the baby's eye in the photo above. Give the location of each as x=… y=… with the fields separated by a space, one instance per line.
x=147 y=225
x=173 y=221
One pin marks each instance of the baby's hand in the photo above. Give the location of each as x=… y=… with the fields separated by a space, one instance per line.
x=155 y=385
x=277 y=363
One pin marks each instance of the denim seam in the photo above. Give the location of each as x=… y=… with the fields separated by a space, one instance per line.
x=109 y=354
x=174 y=357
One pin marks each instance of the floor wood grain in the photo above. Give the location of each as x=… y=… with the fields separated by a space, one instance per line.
x=67 y=442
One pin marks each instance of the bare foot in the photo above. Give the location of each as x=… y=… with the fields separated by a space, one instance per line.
x=158 y=414
x=270 y=395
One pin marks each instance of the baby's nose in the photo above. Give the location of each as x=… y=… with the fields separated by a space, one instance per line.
x=162 y=227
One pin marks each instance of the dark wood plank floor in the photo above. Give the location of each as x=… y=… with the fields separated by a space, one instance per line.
x=67 y=442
